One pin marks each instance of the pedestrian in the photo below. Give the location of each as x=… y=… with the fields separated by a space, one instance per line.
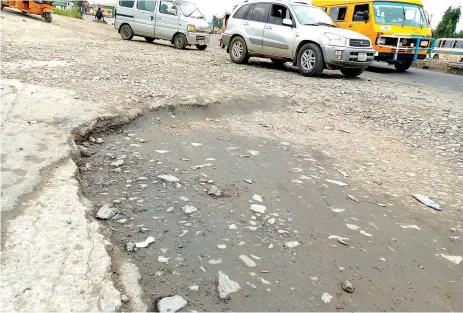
x=99 y=15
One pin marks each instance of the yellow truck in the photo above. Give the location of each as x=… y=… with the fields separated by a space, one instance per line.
x=398 y=29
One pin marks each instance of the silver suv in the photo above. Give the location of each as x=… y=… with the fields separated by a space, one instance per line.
x=289 y=31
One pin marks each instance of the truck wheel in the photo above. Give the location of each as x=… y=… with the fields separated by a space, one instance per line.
x=180 y=41
x=278 y=62
x=310 y=60
x=436 y=57
x=238 y=51
x=126 y=32
x=47 y=17
x=402 y=67
x=352 y=72
x=201 y=47
x=149 y=39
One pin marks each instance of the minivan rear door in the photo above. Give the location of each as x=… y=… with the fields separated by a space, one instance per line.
x=253 y=26
x=144 y=18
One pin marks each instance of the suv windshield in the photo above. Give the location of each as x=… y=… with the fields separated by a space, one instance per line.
x=395 y=13
x=189 y=9
x=309 y=15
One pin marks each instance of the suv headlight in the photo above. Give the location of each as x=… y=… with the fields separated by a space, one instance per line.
x=336 y=40
x=191 y=28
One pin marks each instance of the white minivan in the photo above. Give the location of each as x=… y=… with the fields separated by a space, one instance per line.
x=177 y=21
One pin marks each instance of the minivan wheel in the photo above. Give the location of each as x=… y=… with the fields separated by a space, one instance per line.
x=238 y=51
x=180 y=41
x=402 y=67
x=201 y=47
x=436 y=57
x=310 y=60
x=126 y=32
x=352 y=72
x=149 y=39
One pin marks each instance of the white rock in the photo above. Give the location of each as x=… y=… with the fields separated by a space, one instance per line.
x=292 y=244
x=145 y=243
x=161 y=151
x=365 y=233
x=258 y=208
x=253 y=152
x=117 y=163
x=336 y=182
x=353 y=227
x=226 y=286
x=270 y=246
x=265 y=282
x=183 y=199
x=410 y=226
x=271 y=221
x=257 y=198
x=247 y=261
x=189 y=209
x=106 y=212
x=232 y=226
x=163 y=259
x=338 y=210
x=255 y=257
x=171 y=304
x=195 y=144
x=453 y=258
x=169 y=178
x=99 y=140
x=222 y=246
x=193 y=288
x=170 y=209
x=326 y=297
x=215 y=262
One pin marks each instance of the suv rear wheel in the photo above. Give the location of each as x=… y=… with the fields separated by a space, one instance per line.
x=310 y=60
x=352 y=72
x=126 y=32
x=238 y=51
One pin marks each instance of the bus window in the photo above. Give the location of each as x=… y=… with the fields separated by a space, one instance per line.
x=360 y=13
x=338 y=14
x=459 y=44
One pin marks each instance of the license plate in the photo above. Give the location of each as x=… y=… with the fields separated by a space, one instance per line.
x=362 y=57
x=200 y=42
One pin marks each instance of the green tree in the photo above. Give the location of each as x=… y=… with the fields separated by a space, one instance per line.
x=217 y=21
x=448 y=25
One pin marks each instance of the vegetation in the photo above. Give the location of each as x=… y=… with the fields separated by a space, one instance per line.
x=217 y=22
x=448 y=25
x=70 y=13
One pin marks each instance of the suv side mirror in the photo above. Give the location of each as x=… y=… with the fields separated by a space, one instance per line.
x=173 y=10
x=287 y=22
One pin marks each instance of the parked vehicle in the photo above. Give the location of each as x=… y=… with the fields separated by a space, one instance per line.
x=399 y=30
x=448 y=49
x=43 y=8
x=177 y=21
x=287 y=31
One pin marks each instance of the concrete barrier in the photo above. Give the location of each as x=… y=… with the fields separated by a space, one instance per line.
x=440 y=66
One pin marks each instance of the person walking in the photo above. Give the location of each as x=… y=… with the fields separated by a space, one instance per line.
x=99 y=15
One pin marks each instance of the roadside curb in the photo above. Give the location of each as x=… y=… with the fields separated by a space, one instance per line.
x=440 y=66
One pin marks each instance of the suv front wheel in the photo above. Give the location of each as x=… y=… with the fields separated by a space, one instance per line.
x=238 y=51
x=310 y=60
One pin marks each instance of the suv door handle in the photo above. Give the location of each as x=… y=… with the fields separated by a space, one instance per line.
x=159 y=18
x=245 y=23
x=152 y=17
x=268 y=27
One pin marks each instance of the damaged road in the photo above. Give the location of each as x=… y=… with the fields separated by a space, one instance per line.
x=244 y=222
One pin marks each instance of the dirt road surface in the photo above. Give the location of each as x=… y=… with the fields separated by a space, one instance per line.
x=313 y=180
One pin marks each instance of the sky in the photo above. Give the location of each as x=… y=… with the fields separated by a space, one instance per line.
x=436 y=8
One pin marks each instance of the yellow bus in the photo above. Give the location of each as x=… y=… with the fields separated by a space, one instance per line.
x=449 y=49
x=398 y=29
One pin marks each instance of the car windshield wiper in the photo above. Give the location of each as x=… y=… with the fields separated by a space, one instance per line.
x=320 y=24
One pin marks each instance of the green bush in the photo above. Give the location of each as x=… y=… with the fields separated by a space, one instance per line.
x=69 y=13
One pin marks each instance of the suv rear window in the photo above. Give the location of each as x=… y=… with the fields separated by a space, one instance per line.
x=127 y=4
x=259 y=12
x=241 y=13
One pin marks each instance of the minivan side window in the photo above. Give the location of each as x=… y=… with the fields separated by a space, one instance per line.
x=146 y=5
x=241 y=13
x=259 y=13
x=167 y=7
x=338 y=14
x=126 y=3
x=359 y=12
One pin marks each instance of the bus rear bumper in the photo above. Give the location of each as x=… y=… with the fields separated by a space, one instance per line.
x=401 y=57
